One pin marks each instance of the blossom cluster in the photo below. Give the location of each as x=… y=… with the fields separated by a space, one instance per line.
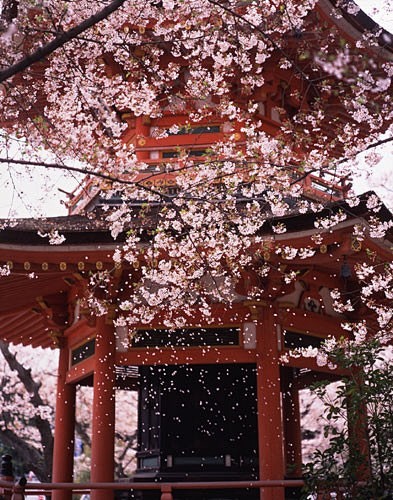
x=289 y=105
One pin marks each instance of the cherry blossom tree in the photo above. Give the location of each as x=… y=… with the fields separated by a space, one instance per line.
x=27 y=410
x=78 y=77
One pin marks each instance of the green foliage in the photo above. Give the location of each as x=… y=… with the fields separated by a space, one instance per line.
x=358 y=460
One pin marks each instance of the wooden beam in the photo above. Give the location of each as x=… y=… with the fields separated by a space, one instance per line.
x=305 y=380
x=81 y=370
x=311 y=323
x=79 y=331
x=311 y=364
x=185 y=356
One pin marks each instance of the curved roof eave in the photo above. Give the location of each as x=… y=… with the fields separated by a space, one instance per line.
x=355 y=25
x=93 y=234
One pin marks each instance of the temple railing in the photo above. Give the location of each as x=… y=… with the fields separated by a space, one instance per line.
x=17 y=491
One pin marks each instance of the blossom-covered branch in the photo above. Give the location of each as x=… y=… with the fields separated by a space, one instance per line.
x=60 y=39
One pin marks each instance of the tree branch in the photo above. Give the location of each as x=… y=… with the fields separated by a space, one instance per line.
x=23 y=374
x=343 y=160
x=266 y=36
x=106 y=177
x=377 y=143
x=60 y=40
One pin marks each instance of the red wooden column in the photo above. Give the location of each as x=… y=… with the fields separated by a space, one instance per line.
x=270 y=427
x=292 y=430
x=63 y=451
x=142 y=131
x=357 y=432
x=103 y=425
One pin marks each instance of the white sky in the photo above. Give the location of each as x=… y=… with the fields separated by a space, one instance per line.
x=380 y=179
x=379 y=10
x=34 y=193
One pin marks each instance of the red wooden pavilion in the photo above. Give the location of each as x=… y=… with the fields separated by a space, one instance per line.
x=233 y=363
x=239 y=354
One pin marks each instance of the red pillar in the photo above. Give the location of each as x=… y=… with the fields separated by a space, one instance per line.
x=142 y=131
x=292 y=430
x=270 y=433
x=357 y=429
x=103 y=425
x=63 y=450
